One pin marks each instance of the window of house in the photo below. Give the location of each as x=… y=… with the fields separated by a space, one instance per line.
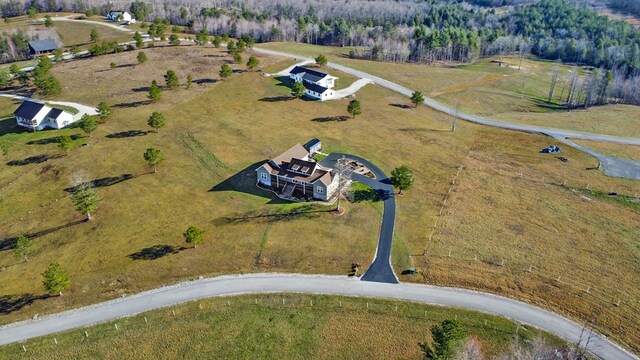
x=319 y=189
x=263 y=176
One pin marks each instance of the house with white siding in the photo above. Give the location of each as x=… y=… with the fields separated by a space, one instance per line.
x=318 y=85
x=294 y=174
x=119 y=16
x=37 y=116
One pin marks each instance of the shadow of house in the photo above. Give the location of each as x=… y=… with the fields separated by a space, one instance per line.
x=105 y=181
x=13 y=303
x=52 y=140
x=155 y=252
x=245 y=182
x=127 y=134
x=10 y=242
x=331 y=118
x=9 y=126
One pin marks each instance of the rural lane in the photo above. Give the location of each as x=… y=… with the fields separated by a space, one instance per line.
x=332 y=285
x=472 y=118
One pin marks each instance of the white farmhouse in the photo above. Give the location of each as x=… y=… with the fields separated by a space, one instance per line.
x=36 y=116
x=120 y=16
x=319 y=85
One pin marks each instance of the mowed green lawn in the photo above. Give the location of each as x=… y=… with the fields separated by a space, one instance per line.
x=486 y=89
x=282 y=326
x=218 y=132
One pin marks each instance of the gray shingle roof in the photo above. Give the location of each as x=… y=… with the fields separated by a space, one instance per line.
x=314 y=87
x=45 y=45
x=309 y=74
x=54 y=113
x=28 y=109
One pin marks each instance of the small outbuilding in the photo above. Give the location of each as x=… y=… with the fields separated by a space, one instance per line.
x=42 y=47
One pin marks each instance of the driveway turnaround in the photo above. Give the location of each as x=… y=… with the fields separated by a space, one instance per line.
x=332 y=285
x=380 y=270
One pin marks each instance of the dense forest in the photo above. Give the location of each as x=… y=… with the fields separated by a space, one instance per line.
x=424 y=31
x=632 y=6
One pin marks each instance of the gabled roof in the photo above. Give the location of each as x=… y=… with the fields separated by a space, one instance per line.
x=326 y=178
x=28 y=109
x=311 y=143
x=309 y=74
x=54 y=113
x=302 y=167
x=297 y=151
x=43 y=45
x=314 y=87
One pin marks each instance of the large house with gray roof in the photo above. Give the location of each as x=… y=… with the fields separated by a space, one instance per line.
x=294 y=174
x=37 y=116
x=318 y=85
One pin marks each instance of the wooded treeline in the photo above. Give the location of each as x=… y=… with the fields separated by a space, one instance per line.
x=632 y=6
x=425 y=31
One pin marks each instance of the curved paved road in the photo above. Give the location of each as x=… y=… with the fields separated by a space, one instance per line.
x=613 y=166
x=380 y=270
x=272 y=283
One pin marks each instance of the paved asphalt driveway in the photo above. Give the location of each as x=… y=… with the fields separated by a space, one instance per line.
x=292 y=283
x=380 y=270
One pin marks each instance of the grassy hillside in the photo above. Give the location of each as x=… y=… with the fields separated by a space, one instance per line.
x=278 y=326
x=504 y=200
x=486 y=89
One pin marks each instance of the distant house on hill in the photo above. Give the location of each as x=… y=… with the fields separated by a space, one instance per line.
x=294 y=174
x=119 y=16
x=41 y=47
x=318 y=85
x=37 y=116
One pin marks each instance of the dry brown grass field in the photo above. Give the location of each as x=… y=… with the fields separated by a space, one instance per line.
x=217 y=132
x=261 y=326
x=620 y=150
x=69 y=33
x=486 y=89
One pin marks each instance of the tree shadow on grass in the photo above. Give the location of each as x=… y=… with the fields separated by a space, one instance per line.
x=205 y=81
x=305 y=211
x=105 y=181
x=37 y=159
x=132 y=104
x=368 y=194
x=51 y=140
x=13 y=303
x=10 y=242
x=127 y=134
x=276 y=98
x=245 y=182
x=141 y=89
x=125 y=65
x=401 y=106
x=331 y=118
x=155 y=252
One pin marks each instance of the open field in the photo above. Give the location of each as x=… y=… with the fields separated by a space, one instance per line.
x=217 y=133
x=620 y=150
x=69 y=33
x=486 y=89
x=283 y=326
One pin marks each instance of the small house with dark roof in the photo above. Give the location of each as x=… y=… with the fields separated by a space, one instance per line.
x=37 y=116
x=41 y=47
x=119 y=16
x=294 y=174
x=318 y=85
